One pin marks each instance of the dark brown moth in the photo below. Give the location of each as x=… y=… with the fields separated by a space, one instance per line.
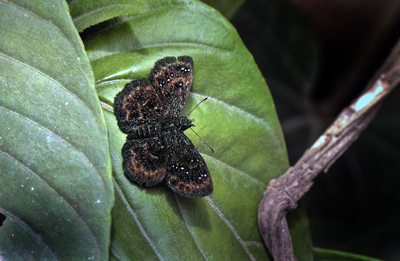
x=156 y=148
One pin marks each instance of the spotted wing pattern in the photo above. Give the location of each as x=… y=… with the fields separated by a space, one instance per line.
x=172 y=82
x=137 y=105
x=187 y=173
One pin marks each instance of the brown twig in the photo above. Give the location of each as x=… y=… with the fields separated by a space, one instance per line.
x=283 y=193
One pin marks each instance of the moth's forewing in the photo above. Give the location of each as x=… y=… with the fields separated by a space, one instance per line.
x=137 y=106
x=172 y=82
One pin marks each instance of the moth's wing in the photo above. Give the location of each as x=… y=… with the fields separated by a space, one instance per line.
x=172 y=82
x=137 y=105
x=187 y=173
x=144 y=160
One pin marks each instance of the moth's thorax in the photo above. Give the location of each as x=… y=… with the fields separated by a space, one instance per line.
x=168 y=123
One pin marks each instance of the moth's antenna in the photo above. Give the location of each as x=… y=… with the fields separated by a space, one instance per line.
x=203 y=140
x=194 y=125
x=196 y=107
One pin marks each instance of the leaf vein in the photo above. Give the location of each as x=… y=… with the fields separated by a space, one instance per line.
x=185 y=222
x=23 y=224
x=235 y=108
x=56 y=136
x=50 y=79
x=62 y=199
x=233 y=230
x=227 y=166
x=130 y=211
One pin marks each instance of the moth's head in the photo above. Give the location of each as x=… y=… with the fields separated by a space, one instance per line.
x=184 y=123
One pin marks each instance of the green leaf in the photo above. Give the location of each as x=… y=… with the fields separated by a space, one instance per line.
x=238 y=121
x=330 y=255
x=55 y=167
x=86 y=13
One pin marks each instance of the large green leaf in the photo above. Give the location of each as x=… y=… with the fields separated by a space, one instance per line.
x=238 y=121
x=55 y=168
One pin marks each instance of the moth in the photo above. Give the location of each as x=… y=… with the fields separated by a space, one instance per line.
x=156 y=147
